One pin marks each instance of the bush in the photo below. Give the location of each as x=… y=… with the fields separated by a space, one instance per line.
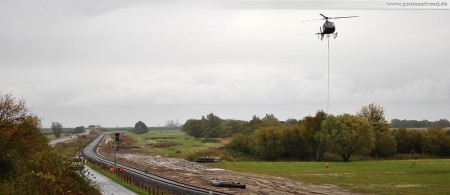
x=140 y=128
x=210 y=140
x=437 y=142
x=79 y=129
x=240 y=144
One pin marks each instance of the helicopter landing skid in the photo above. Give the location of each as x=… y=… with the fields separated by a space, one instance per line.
x=328 y=36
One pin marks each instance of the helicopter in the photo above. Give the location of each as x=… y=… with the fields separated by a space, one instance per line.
x=328 y=27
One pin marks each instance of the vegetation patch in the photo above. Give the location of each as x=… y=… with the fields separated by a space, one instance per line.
x=157 y=138
x=162 y=144
x=366 y=135
x=71 y=148
x=28 y=164
x=165 y=129
x=428 y=176
x=210 y=140
x=126 y=142
x=172 y=144
x=219 y=152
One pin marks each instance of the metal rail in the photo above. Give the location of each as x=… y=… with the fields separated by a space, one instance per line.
x=176 y=187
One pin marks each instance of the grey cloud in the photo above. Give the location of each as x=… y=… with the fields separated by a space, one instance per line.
x=116 y=62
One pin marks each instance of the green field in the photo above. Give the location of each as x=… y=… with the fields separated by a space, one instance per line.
x=172 y=144
x=380 y=177
x=428 y=176
x=164 y=129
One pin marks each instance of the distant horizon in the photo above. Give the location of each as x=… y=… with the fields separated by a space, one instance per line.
x=86 y=126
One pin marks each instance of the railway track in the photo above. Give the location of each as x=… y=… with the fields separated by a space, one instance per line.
x=176 y=187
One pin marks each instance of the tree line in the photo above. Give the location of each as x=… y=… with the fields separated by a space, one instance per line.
x=28 y=165
x=57 y=129
x=442 y=123
x=366 y=133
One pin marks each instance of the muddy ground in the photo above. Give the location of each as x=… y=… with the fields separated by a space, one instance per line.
x=200 y=175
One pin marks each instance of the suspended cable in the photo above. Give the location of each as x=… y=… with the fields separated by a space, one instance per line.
x=328 y=96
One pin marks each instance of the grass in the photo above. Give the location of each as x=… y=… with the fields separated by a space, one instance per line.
x=380 y=177
x=164 y=129
x=178 y=145
x=118 y=180
x=426 y=176
x=70 y=148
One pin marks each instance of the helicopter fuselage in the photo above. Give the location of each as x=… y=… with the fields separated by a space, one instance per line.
x=328 y=27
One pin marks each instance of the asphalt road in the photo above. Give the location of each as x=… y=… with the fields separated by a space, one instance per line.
x=66 y=138
x=107 y=186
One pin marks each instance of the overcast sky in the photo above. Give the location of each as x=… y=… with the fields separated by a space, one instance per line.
x=113 y=62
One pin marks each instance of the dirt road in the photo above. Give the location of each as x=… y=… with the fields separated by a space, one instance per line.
x=200 y=175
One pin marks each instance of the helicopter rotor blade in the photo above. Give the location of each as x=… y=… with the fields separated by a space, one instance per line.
x=312 y=20
x=343 y=17
x=326 y=18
